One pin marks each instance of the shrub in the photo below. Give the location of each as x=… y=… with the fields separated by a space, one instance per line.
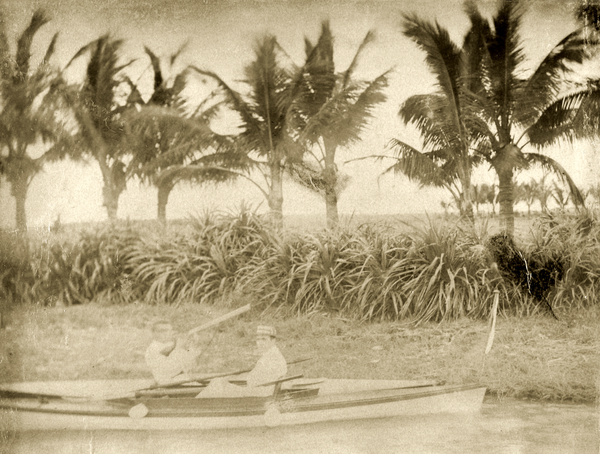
x=202 y=263
x=91 y=267
x=573 y=240
x=17 y=277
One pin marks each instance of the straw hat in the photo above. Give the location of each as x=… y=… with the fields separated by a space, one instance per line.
x=264 y=330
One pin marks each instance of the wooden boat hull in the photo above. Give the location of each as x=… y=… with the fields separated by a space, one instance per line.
x=336 y=400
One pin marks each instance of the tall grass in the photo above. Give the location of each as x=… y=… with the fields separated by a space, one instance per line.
x=17 y=276
x=371 y=272
x=202 y=264
x=89 y=266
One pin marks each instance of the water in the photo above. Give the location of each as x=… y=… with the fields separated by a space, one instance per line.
x=509 y=426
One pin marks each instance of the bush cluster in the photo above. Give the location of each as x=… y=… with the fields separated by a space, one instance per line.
x=438 y=272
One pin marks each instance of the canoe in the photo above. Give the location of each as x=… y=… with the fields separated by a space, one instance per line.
x=67 y=405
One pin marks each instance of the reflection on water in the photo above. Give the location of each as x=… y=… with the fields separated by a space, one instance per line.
x=509 y=426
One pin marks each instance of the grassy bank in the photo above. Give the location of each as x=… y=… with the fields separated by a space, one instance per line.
x=534 y=357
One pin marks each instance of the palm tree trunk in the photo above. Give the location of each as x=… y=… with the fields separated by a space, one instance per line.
x=19 y=188
x=505 y=199
x=465 y=196
x=466 y=203
x=110 y=201
x=114 y=185
x=330 y=176
x=331 y=208
x=276 y=195
x=164 y=190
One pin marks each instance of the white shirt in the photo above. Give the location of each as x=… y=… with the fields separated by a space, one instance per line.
x=270 y=367
x=163 y=366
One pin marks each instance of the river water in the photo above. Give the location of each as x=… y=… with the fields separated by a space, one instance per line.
x=508 y=426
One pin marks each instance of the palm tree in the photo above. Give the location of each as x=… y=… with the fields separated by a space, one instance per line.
x=480 y=195
x=29 y=121
x=489 y=195
x=446 y=206
x=528 y=193
x=98 y=109
x=263 y=113
x=443 y=119
x=543 y=192
x=330 y=111
x=560 y=196
x=506 y=101
x=594 y=192
x=163 y=137
x=577 y=114
x=476 y=197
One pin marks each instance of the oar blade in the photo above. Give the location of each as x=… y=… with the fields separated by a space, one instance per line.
x=138 y=411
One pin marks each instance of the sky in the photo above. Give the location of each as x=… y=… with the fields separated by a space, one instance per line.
x=219 y=35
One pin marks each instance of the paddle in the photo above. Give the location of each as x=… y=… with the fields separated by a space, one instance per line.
x=195 y=378
x=187 y=390
x=281 y=380
x=141 y=410
x=13 y=394
x=220 y=319
x=206 y=378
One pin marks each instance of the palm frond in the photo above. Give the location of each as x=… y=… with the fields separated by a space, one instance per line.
x=135 y=96
x=154 y=60
x=51 y=49
x=344 y=116
x=179 y=82
x=502 y=60
x=369 y=38
x=120 y=68
x=360 y=112
x=96 y=106
x=203 y=174
x=159 y=128
x=88 y=48
x=428 y=113
x=66 y=145
x=544 y=84
x=244 y=109
x=473 y=49
x=553 y=166
x=570 y=117
x=23 y=55
x=5 y=58
x=208 y=108
x=417 y=166
x=315 y=80
x=588 y=13
x=269 y=84
x=178 y=52
x=443 y=57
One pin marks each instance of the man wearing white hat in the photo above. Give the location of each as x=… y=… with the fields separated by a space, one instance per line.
x=270 y=367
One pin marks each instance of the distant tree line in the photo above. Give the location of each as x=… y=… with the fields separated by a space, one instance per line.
x=534 y=192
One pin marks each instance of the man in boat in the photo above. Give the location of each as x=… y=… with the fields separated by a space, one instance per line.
x=270 y=367
x=168 y=356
